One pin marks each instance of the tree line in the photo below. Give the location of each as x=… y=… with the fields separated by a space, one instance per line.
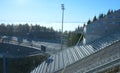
x=100 y=16
x=29 y=31
x=95 y=18
x=72 y=38
x=37 y=32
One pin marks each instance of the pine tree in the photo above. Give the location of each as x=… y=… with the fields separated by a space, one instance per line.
x=108 y=12
x=94 y=19
x=101 y=16
x=89 y=21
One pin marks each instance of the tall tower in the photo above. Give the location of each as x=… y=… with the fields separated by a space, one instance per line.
x=62 y=7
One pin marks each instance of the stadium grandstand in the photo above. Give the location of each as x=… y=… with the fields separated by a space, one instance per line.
x=100 y=54
x=14 y=55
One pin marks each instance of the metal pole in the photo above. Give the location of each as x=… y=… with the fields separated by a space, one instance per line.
x=62 y=6
x=4 y=64
x=84 y=32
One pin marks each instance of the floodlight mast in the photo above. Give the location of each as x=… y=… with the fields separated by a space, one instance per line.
x=62 y=7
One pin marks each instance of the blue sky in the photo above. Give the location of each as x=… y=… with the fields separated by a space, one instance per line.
x=48 y=12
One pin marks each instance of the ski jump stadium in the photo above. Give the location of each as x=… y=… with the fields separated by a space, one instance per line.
x=100 y=53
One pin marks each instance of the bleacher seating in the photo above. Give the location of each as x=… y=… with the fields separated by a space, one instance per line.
x=71 y=55
x=14 y=51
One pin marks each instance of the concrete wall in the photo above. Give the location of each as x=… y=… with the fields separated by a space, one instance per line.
x=103 y=26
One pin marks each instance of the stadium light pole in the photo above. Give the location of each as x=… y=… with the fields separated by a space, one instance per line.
x=62 y=7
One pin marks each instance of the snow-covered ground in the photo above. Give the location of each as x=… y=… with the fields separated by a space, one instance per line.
x=51 y=48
